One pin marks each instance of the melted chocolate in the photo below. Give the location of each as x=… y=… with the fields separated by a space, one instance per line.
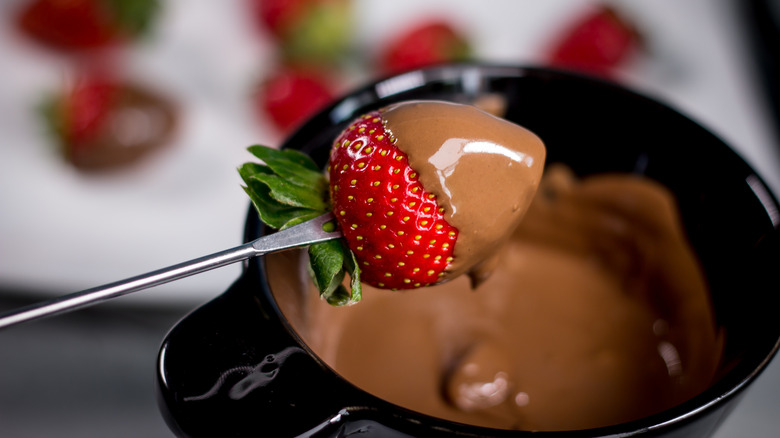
x=597 y=313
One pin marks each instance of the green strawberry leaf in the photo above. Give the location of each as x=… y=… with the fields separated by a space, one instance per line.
x=300 y=158
x=291 y=156
x=339 y=297
x=301 y=218
x=329 y=265
x=248 y=170
x=291 y=194
x=290 y=167
x=351 y=266
x=271 y=212
x=288 y=189
x=327 y=262
x=281 y=190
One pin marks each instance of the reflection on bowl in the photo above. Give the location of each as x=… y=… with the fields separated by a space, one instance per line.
x=239 y=365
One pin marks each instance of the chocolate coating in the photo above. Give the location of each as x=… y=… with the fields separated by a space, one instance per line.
x=483 y=170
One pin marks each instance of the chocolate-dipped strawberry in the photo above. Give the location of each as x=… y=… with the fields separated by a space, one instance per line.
x=102 y=123
x=423 y=191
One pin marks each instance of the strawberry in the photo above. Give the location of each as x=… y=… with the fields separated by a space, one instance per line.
x=425 y=44
x=96 y=121
x=291 y=95
x=278 y=16
x=394 y=226
x=596 y=43
x=397 y=234
x=311 y=31
x=287 y=189
x=80 y=112
x=77 y=25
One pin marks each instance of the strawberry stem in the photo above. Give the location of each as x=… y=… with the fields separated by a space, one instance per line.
x=288 y=188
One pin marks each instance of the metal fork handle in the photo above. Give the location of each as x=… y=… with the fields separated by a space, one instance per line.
x=303 y=234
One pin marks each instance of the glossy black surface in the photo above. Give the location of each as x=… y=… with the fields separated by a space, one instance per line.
x=764 y=43
x=235 y=368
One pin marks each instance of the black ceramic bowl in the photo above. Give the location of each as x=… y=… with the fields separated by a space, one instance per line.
x=235 y=366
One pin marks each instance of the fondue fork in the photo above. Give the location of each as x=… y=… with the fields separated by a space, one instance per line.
x=303 y=234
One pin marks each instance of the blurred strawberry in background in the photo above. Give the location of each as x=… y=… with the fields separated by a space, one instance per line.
x=316 y=36
x=596 y=43
x=77 y=25
x=307 y=31
x=102 y=122
x=313 y=39
x=290 y=95
x=425 y=44
x=81 y=110
x=99 y=120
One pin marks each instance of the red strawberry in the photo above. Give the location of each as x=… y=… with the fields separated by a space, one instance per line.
x=395 y=228
x=596 y=43
x=289 y=96
x=85 y=24
x=83 y=109
x=423 y=45
x=277 y=16
x=101 y=122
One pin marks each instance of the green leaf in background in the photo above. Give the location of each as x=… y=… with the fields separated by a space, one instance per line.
x=321 y=35
x=134 y=17
x=50 y=111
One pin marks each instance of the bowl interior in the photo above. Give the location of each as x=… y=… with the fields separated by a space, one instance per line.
x=728 y=213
